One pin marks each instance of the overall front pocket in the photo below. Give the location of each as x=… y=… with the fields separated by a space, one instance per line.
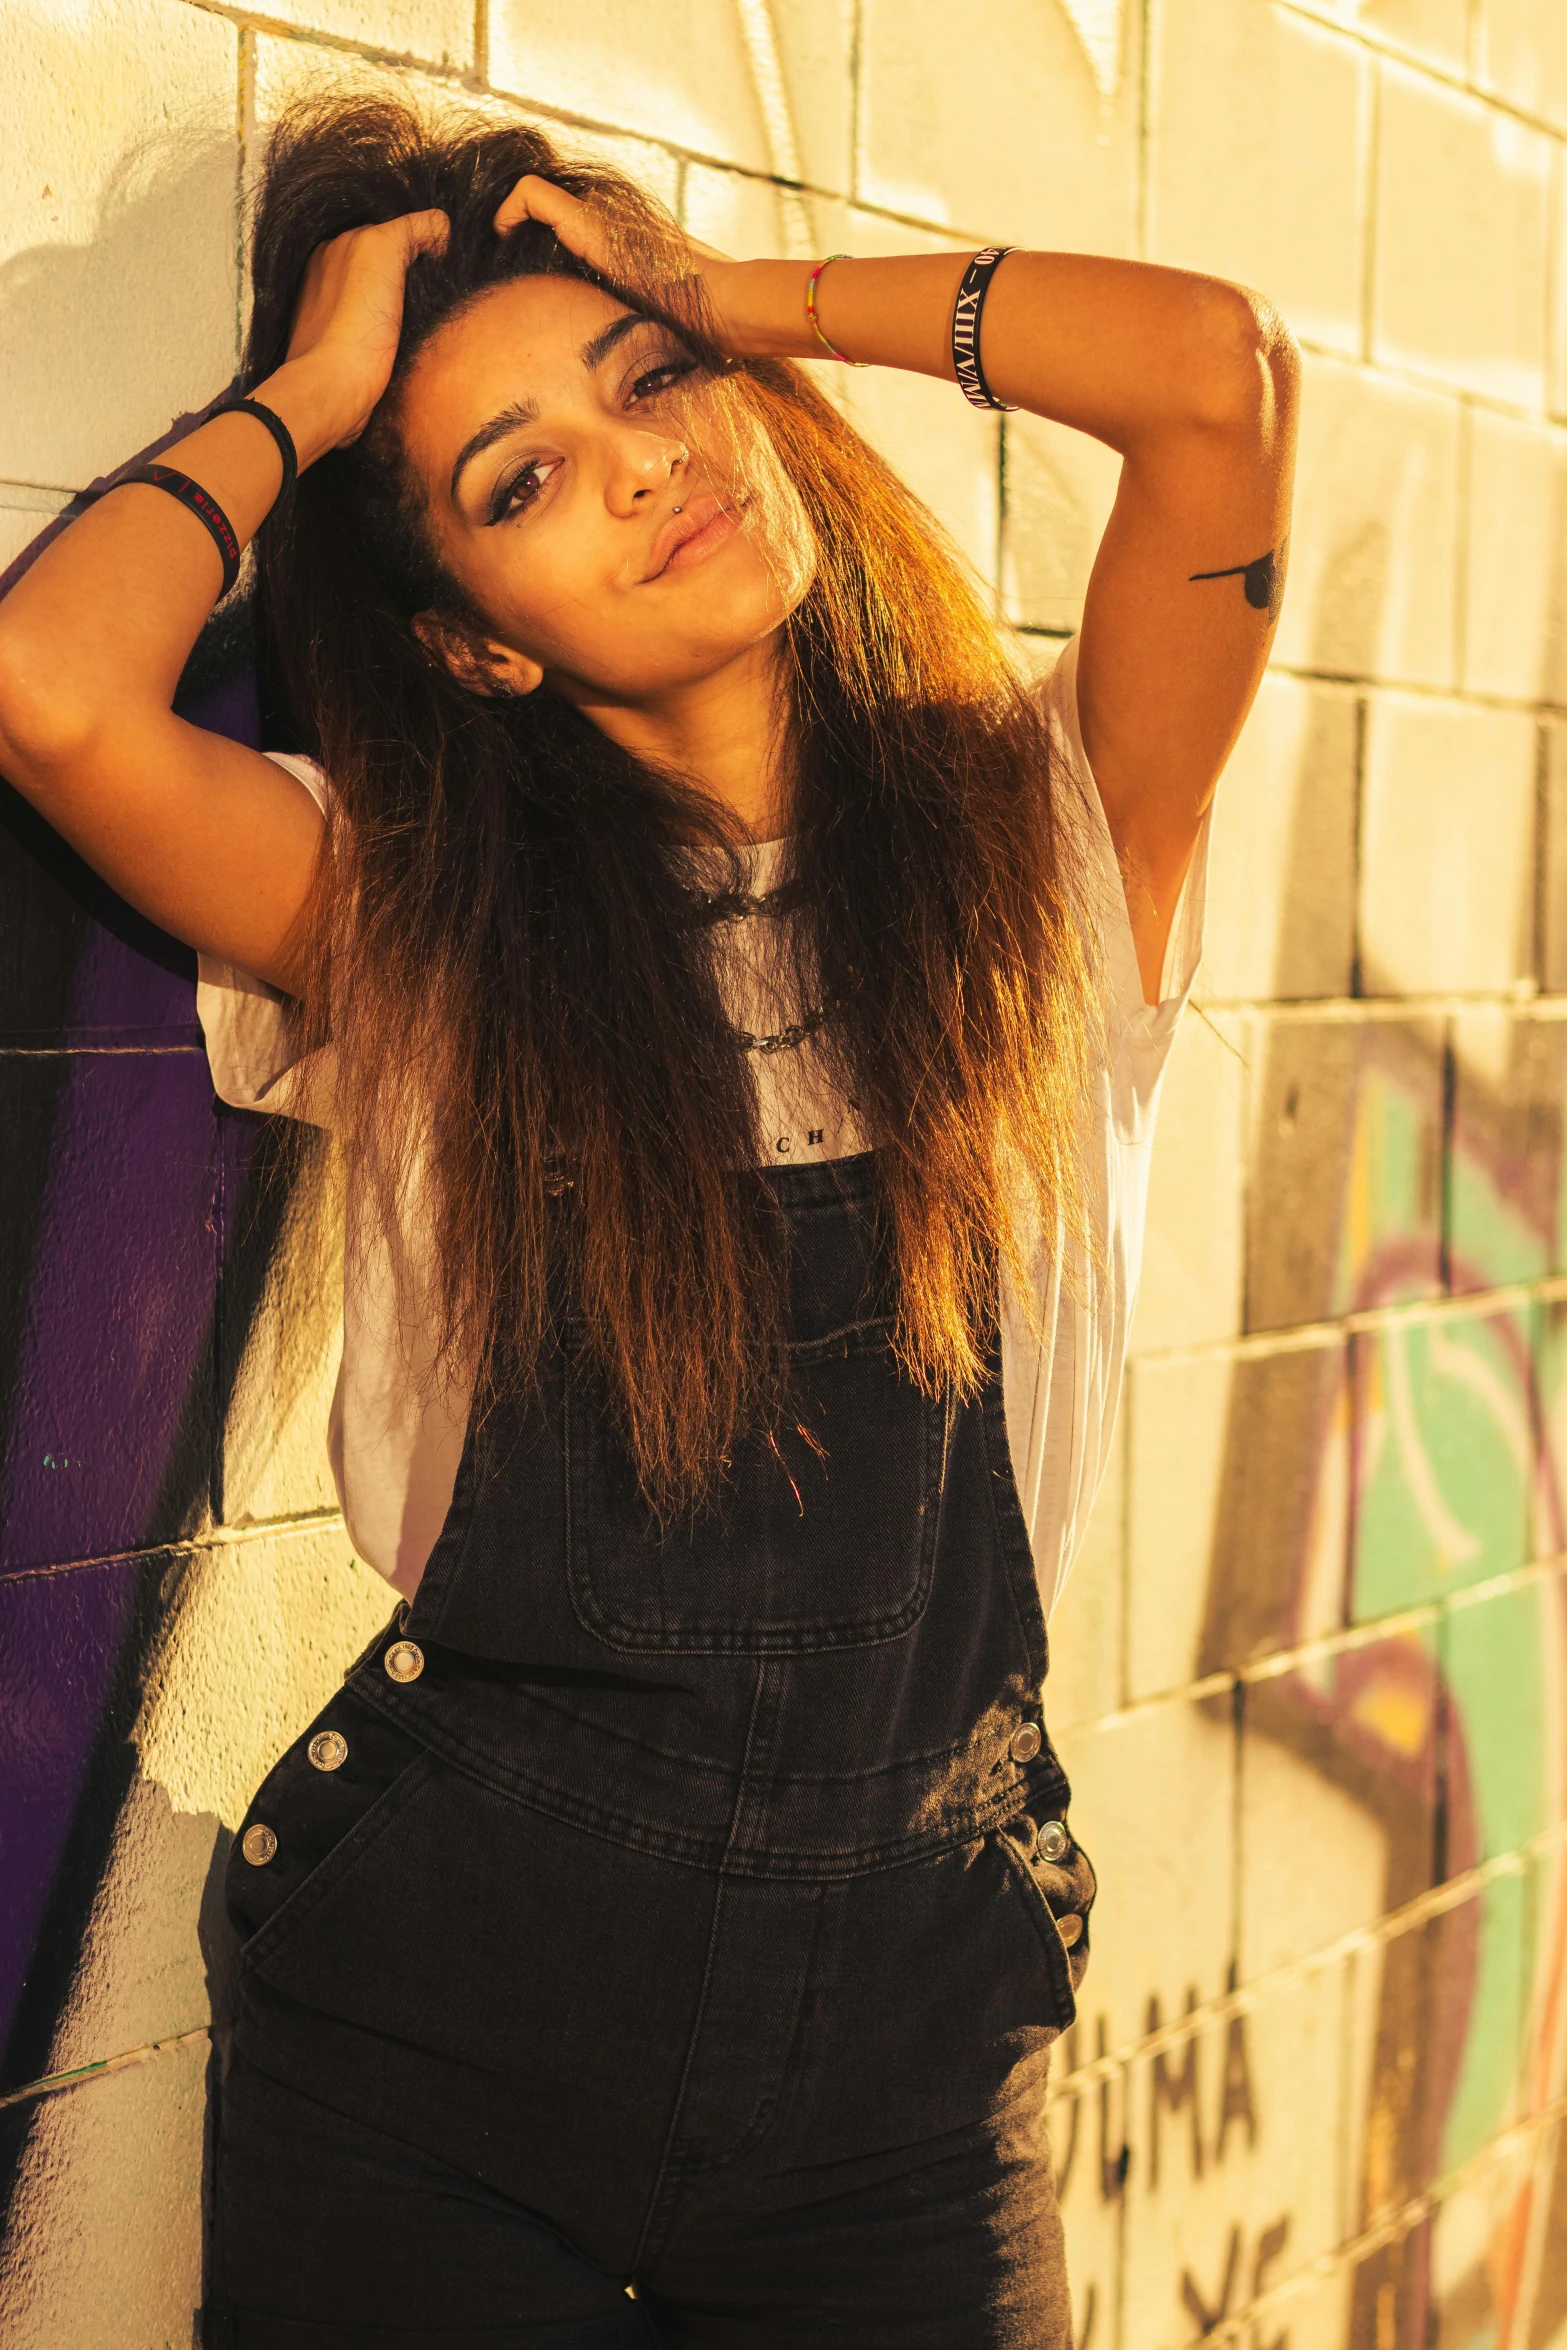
x=823 y=1534
x=321 y=1808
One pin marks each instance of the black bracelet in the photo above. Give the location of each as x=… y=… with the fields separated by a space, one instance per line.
x=965 y=329
x=199 y=502
x=275 y=426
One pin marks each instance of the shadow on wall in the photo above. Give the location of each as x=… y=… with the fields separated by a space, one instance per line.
x=96 y=336
x=148 y=1681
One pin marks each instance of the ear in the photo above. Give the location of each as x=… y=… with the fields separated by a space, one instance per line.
x=482 y=664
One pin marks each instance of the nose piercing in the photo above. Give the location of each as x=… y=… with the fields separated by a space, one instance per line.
x=674 y=509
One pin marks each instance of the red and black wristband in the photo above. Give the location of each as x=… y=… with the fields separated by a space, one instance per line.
x=199 y=502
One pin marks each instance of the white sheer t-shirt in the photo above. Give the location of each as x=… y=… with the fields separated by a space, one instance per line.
x=395 y=1435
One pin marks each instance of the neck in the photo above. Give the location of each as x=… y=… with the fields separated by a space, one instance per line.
x=726 y=732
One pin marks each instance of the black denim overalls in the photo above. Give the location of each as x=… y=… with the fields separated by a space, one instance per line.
x=706 y=1899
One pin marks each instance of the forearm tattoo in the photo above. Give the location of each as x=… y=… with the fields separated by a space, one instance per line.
x=1262 y=579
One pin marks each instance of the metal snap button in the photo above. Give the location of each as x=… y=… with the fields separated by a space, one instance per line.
x=404 y=1660
x=1070 y=1928
x=328 y=1750
x=1053 y=1840
x=1025 y=1742
x=259 y=1845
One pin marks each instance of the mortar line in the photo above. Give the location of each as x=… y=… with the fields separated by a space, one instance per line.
x=1348 y=1640
x=856 y=115
x=257 y=20
x=1344 y=2134
x=1423 y=67
x=1461 y=534
x=1237 y=1871
x=1400 y=2222
x=1556 y=285
x=1357 y=967
x=100 y=1052
x=1145 y=68
x=1328 y=1645
x=467 y=78
x=1371 y=1011
x=1447 y=1131
x=244 y=61
x=1548 y=1568
x=44 y=498
x=1416 y=689
x=1441 y=1735
x=50 y=2084
x=1346 y=1401
x=1322 y=1648
x=1369 y=254
x=1540 y=914
x=1123 y=1552
x=217 y=1427
x=189 y=1546
x=1325 y=1647
x=1404 y=1313
x=1405 y=376
x=1247 y=1999
x=1249 y=1049
x=1361 y=680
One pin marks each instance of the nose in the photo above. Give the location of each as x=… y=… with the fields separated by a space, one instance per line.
x=644 y=463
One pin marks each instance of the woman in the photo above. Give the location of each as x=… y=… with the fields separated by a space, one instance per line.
x=662 y=1934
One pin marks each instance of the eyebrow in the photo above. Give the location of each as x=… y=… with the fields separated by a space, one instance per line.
x=521 y=412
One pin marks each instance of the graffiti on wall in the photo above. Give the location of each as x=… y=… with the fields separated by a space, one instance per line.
x=138 y=1223
x=1389 y=1479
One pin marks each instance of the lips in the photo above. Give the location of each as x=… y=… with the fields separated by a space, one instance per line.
x=698 y=530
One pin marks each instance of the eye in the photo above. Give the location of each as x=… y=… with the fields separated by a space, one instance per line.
x=518 y=490
x=654 y=381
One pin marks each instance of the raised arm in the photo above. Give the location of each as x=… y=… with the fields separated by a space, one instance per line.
x=213 y=842
x=1194 y=382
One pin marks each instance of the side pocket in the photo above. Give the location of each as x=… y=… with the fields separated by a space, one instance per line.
x=321 y=1808
x=1058 y=1894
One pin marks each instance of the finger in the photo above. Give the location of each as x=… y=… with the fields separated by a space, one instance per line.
x=534 y=198
x=425 y=232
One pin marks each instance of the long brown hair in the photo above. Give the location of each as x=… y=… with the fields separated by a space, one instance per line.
x=523 y=997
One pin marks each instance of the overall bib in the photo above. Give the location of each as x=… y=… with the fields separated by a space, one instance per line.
x=691 y=1909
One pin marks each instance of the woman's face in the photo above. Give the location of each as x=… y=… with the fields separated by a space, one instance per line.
x=556 y=433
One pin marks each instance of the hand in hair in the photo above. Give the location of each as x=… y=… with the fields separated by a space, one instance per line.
x=350 y=310
x=583 y=231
